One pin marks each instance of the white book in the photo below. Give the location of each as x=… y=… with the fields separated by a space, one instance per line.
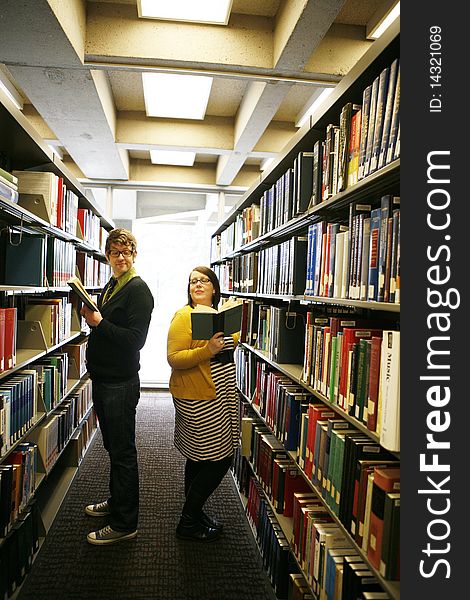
x=390 y=388
x=363 y=285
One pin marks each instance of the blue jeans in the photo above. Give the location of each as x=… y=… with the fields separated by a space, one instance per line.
x=115 y=405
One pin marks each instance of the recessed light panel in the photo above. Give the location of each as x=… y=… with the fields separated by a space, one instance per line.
x=172 y=157
x=176 y=96
x=201 y=11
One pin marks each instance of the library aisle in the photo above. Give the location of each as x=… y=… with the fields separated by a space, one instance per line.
x=156 y=564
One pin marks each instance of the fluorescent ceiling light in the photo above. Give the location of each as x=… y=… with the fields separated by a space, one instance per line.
x=176 y=96
x=172 y=157
x=313 y=107
x=381 y=21
x=203 y=11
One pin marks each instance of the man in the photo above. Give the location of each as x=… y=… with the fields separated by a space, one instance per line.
x=118 y=332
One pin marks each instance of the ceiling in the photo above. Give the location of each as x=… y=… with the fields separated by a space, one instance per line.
x=78 y=68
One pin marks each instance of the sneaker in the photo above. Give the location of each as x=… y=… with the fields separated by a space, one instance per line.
x=98 y=510
x=107 y=535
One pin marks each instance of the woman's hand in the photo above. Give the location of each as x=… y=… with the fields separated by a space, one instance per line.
x=216 y=343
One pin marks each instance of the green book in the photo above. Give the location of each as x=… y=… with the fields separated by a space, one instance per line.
x=362 y=371
x=333 y=367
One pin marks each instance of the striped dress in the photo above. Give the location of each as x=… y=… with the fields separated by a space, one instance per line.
x=210 y=429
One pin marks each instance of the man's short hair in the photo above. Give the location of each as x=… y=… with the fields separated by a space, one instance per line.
x=120 y=236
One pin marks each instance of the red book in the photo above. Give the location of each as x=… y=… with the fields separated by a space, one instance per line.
x=315 y=412
x=300 y=500
x=363 y=468
x=374 y=376
x=10 y=338
x=280 y=468
x=2 y=339
x=60 y=203
x=244 y=323
x=385 y=480
x=83 y=218
x=294 y=482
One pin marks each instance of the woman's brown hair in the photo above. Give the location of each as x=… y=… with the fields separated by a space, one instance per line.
x=214 y=280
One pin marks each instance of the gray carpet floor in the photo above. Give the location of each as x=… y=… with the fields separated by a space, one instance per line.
x=155 y=564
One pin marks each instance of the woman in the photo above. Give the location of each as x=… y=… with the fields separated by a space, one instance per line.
x=203 y=387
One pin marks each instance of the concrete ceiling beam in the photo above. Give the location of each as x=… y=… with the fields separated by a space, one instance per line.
x=43 y=48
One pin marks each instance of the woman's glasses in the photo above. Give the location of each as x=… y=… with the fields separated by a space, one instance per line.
x=125 y=253
x=203 y=280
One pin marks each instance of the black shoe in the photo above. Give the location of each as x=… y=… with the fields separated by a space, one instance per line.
x=210 y=522
x=191 y=529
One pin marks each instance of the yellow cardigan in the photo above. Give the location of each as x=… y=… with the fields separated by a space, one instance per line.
x=189 y=360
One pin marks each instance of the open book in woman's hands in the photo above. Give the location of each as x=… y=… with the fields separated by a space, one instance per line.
x=206 y=321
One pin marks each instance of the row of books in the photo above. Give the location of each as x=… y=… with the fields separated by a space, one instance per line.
x=40 y=388
x=336 y=457
x=344 y=359
x=8 y=186
x=361 y=260
x=18 y=407
x=81 y=439
x=365 y=139
x=272 y=543
x=46 y=195
x=18 y=549
x=52 y=437
x=277 y=331
x=279 y=270
x=8 y=336
x=92 y=272
x=314 y=528
x=355 y=364
x=91 y=230
x=38 y=260
x=17 y=484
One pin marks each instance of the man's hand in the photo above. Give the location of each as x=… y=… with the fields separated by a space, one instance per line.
x=92 y=317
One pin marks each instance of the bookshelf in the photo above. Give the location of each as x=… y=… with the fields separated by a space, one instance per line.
x=237 y=245
x=52 y=424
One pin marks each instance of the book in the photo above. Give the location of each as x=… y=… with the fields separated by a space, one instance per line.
x=207 y=321
x=393 y=138
x=390 y=554
x=390 y=391
x=386 y=480
x=77 y=287
x=388 y=114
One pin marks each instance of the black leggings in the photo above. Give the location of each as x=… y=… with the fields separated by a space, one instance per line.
x=201 y=478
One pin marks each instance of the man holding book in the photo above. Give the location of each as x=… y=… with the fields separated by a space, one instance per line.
x=118 y=332
x=203 y=386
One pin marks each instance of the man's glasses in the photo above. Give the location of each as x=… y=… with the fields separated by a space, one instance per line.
x=125 y=253
x=203 y=280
